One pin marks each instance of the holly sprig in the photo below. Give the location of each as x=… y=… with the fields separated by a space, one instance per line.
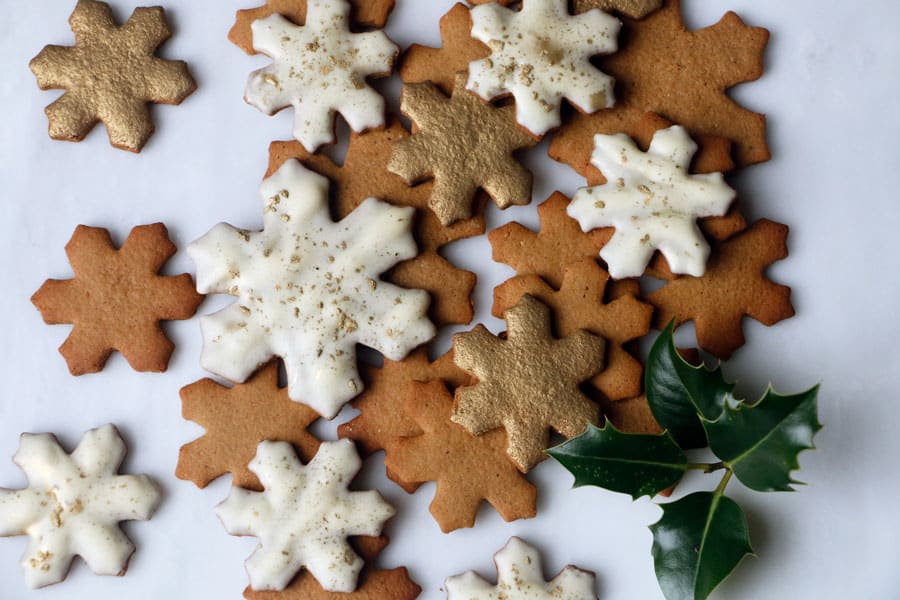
x=700 y=538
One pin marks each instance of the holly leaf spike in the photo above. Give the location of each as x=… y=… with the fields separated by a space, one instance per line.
x=678 y=392
x=761 y=442
x=638 y=465
x=697 y=543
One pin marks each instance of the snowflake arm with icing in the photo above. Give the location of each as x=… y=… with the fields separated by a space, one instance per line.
x=541 y=54
x=309 y=290
x=520 y=575
x=652 y=201
x=73 y=504
x=304 y=516
x=320 y=68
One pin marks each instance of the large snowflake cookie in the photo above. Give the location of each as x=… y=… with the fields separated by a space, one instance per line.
x=309 y=290
x=541 y=54
x=73 y=505
x=320 y=68
x=653 y=202
x=520 y=576
x=304 y=516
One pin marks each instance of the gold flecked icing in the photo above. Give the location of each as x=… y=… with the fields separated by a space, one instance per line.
x=464 y=144
x=528 y=382
x=111 y=75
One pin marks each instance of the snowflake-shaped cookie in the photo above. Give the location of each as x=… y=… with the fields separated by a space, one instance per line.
x=541 y=54
x=111 y=75
x=73 y=505
x=520 y=575
x=304 y=516
x=309 y=290
x=653 y=202
x=320 y=68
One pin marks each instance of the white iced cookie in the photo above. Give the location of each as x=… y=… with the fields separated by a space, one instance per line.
x=653 y=202
x=320 y=68
x=309 y=290
x=520 y=576
x=541 y=54
x=304 y=516
x=73 y=505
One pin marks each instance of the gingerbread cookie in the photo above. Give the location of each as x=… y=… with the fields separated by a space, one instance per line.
x=467 y=469
x=365 y=174
x=111 y=75
x=382 y=417
x=374 y=584
x=440 y=65
x=304 y=516
x=684 y=76
x=73 y=505
x=320 y=68
x=652 y=201
x=527 y=382
x=546 y=253
x=520 y=575
x=636 y=9
x=309 y=290
x=582 y=302
x=365 y=13
x=236 y=420
x=735 y=285
x=548 y=59
x=464 y=144
x=117 y=299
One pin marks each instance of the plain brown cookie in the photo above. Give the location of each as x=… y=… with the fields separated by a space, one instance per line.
x=440 y=65
x=365 y=174
x=374 y=584
x=382 y=417
x=117 y=299
x=111 y=75
x=236 y=420
x=684 y=76
x=363 y=13
x=582 y=302
x=466 y=468
x=735 y=285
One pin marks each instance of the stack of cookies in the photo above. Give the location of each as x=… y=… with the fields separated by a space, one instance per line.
x=350 y=255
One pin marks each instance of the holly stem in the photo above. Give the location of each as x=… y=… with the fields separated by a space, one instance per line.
x=707 y=467
x=720 y=490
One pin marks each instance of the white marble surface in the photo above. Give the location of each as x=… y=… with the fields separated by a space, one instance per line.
x=830 y=91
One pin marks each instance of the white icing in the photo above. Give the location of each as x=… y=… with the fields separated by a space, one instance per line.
x=304 y=516
x=541 y=54
x=653 y=202
x=320 y=68
x=309 y=290
x=520 y=576
x=73 y=505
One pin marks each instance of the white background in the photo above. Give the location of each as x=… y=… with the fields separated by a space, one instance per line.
x=831 y=95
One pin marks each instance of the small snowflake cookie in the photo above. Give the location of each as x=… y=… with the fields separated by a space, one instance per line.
x=304 y=516
x=520 y=576
x=73 y=505
x=653 y=202
x=309 y=290
x=541 y=54
x=320 y=68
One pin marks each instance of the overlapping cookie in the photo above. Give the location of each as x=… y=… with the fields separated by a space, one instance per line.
x=364 y=174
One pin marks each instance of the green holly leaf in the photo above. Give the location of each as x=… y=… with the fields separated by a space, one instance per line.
x=761 y=442
x=697 y=543
x=678 y=392
x=639 y=465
